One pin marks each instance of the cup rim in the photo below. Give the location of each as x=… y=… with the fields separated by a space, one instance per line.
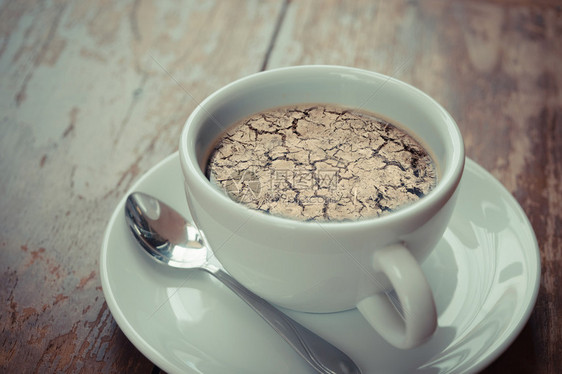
x=441 y=193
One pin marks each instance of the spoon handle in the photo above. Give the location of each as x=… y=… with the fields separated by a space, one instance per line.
x=320 y=354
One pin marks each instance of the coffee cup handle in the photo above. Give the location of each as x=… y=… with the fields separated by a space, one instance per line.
x=418 y=319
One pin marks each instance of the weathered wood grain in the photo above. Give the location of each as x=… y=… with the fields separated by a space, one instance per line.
x=495 y=65
x=92 y=94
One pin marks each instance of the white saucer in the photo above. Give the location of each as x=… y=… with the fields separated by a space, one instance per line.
x=484 y=273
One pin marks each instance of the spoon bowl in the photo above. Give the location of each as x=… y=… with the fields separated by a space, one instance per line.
x=168 y=238
x=164 y=233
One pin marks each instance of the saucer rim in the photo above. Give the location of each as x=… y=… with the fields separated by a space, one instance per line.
x=520 y=325
x=158 y=359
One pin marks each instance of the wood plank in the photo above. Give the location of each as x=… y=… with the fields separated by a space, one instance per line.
x=92 y=95
x=495 y=65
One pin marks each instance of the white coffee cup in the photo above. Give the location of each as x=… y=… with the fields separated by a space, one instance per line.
x=329 y=266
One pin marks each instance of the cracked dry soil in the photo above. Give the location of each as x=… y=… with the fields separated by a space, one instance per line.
x=320 y=162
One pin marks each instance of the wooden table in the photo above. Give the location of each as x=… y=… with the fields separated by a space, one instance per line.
x=93 y=94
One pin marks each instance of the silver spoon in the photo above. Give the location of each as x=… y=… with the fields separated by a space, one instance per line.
x=170 y=240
